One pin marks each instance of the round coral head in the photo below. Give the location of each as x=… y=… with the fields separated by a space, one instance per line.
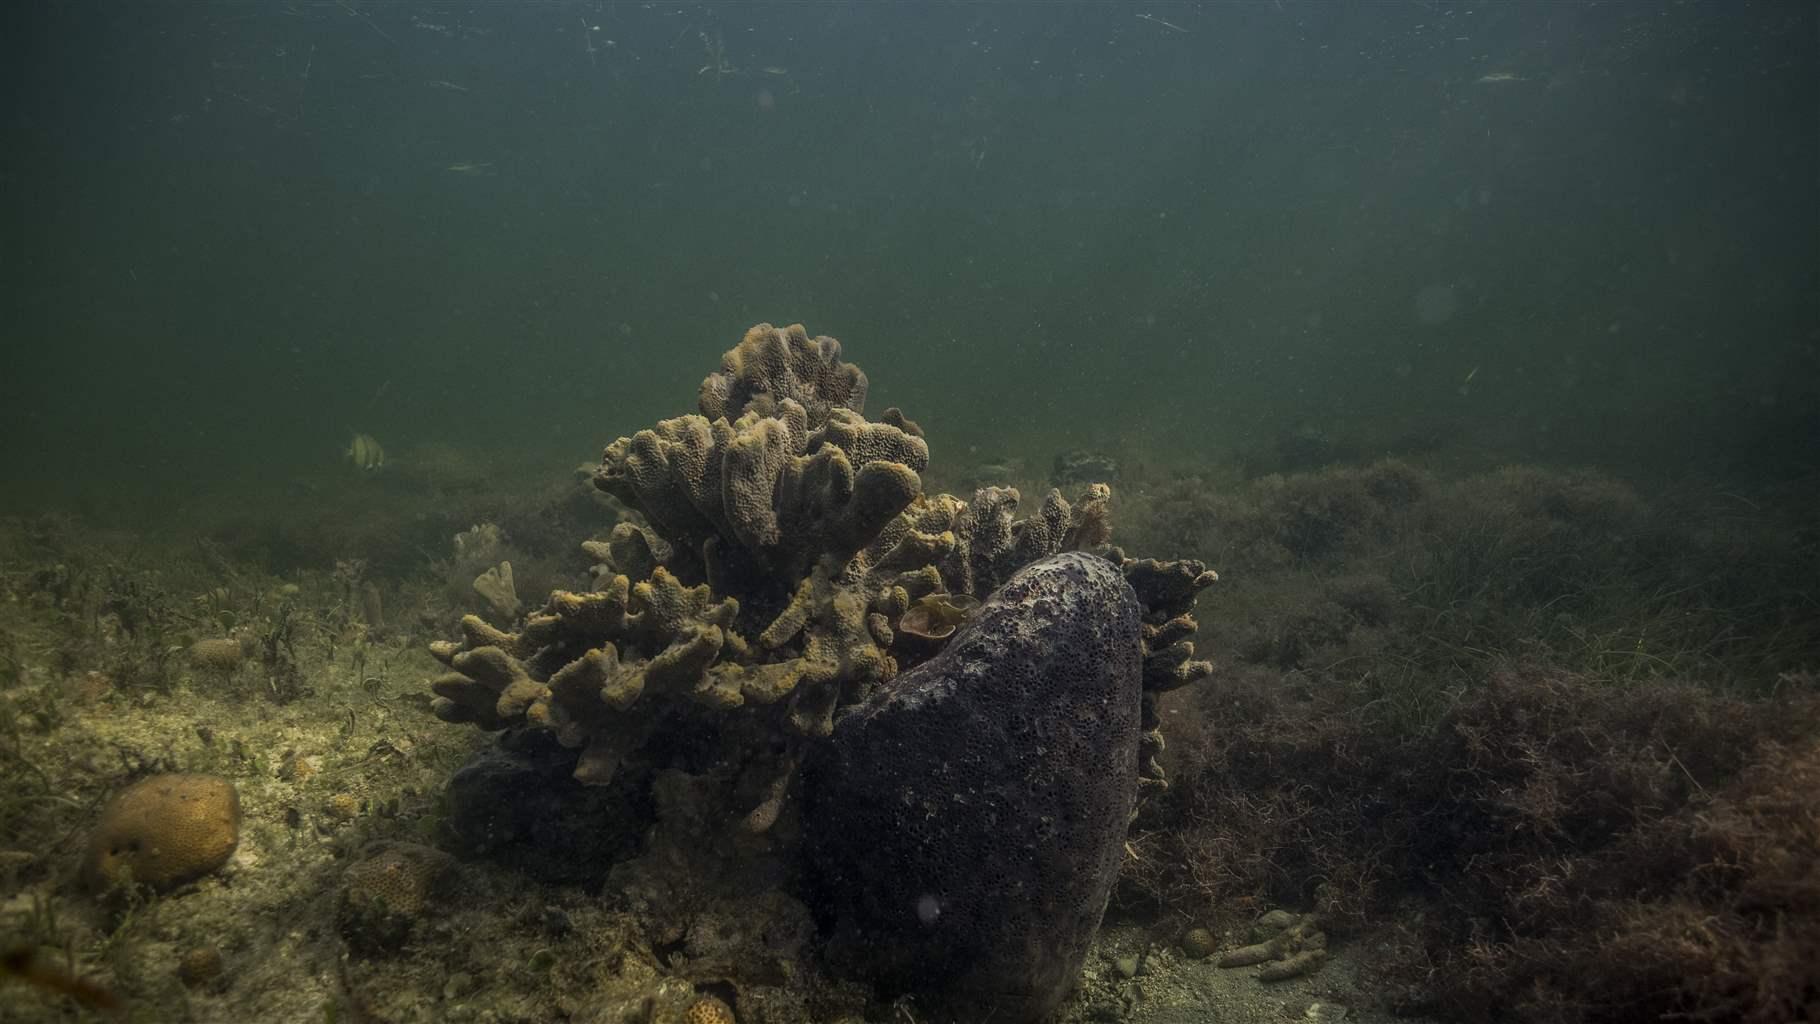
x=163 y=831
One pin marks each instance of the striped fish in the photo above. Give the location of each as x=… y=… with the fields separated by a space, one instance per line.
x=365 y=453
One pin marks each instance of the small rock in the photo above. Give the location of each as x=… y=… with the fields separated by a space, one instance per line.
x=519 y=804
x=1294 y=966
x=460 y=984
x=199 y=966
x=91 y=687
x=298 y=768
x=1272 y=922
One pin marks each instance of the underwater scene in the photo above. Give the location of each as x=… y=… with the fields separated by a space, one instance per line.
x=910 y=513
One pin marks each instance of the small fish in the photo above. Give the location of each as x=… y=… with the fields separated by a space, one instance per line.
x=1500 y=76
x=365 y=453
x=474 y=169
x=22 y=963
x=995 y=470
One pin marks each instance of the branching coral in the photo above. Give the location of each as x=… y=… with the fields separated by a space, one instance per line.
x=787 y=538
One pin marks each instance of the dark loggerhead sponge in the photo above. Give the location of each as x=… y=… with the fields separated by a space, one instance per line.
x=966 y=824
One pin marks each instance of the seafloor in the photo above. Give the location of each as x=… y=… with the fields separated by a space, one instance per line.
x=1527 y=743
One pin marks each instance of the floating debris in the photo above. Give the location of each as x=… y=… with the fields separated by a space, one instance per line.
x=1154 y=20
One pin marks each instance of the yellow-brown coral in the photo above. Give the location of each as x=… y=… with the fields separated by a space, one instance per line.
x=782 y=549
x=708 y=1010
x=218 y=655
x=402 y=875
x=163 y=831
x=388 y=890
x=774 y=363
